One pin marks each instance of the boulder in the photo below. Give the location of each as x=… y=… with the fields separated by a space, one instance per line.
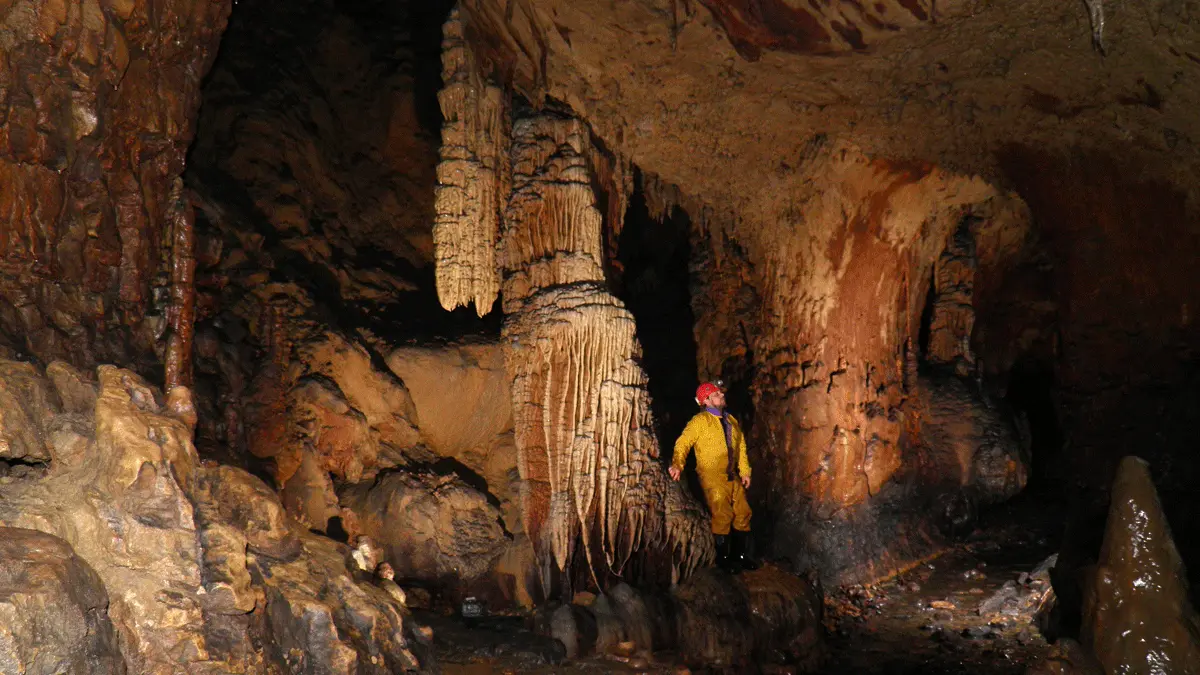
x=53 y=610
x=450 y=530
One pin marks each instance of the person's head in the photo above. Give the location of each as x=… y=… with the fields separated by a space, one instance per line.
x=710 y=395
x=385 y=571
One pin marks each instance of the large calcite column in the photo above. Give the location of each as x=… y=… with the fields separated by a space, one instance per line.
x=1136 y=614
x=581 y=410
x=838 y=283
x=472 y=177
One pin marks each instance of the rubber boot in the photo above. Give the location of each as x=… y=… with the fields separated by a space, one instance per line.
x=721 y=543
x=743 y=551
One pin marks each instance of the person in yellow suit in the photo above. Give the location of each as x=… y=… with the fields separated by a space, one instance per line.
x=724 y=471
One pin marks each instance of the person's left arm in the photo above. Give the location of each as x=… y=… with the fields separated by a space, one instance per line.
x=743 y=458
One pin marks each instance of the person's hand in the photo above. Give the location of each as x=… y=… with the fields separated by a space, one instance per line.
x=674 y=473
x=746 y=482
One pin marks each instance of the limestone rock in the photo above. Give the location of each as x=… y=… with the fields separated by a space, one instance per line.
x=149 y=457
x=24 y=406
x=461 y=400
x=227 y=584
x=971 y=444
x=451 y=530
x=309 y=495
x=1137 y=615
x=330 y=412
x=76 y=391
x=321 y=621
x=53 y=610
x=230 y=495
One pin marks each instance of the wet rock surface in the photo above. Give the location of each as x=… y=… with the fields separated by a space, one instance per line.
x=1137 y=613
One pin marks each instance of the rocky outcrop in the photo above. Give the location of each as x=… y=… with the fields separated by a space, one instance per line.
x=192 y=568
x=44 y=584
x=322 y=409
x=98 y=105
x=1137 y=614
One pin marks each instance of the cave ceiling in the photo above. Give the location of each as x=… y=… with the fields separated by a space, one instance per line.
x=728 y=98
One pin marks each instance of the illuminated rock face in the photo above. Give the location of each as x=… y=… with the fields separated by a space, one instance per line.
x=1137 y=617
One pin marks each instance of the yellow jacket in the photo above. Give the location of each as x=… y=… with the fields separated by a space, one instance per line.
x=704 y=432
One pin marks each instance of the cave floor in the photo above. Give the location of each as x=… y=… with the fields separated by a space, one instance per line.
x=970 y=610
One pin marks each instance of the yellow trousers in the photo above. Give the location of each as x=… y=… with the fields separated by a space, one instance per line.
x=727 y=502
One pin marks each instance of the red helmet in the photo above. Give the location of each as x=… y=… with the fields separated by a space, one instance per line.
x=704 y=391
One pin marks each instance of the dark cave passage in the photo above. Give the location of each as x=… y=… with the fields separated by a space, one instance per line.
x=655 y=284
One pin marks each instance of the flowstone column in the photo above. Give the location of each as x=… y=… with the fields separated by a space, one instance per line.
x=594 y=495
x=587 y=453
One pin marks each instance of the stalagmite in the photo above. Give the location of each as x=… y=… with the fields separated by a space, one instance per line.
x=581 y=409
x=1136 y=614
x=473 y=177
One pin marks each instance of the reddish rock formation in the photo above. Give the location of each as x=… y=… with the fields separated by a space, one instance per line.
x=98 y=102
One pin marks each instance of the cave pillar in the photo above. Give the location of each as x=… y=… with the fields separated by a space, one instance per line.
x=832 y=327
x=586 y=449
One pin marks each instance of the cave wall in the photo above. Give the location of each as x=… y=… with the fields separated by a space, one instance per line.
x=99 y=102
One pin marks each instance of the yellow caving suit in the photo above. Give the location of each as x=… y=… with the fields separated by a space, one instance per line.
x=726 y=498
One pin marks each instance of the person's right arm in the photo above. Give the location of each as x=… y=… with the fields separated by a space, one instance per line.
x=683 y=447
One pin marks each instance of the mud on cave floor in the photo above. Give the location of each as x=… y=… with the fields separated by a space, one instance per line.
x=970 y=610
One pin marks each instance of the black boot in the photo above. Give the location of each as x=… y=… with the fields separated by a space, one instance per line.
x=742 y=551
x=721 y=543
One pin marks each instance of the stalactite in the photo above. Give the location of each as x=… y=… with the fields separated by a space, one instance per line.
x=473 y=177
x=181 y=314
x=580 y=405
